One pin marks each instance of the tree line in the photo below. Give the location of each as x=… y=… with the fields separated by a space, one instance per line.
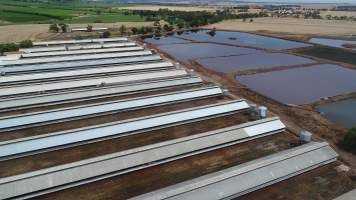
x=8 y=47
x=188 y=19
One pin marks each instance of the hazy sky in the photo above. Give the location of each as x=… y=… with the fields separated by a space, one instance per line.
x=307 y=1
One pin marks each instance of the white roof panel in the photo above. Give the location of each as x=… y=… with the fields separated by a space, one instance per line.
x=54 y=140
x=242 y=179
x=94 y=93
x=58 y=42
x=125 y=160
x=85 y=51
x=77 y=47
x=8 y=80
x=76 y=64
x=37 y=88
x=67 y=114
x=73 y=58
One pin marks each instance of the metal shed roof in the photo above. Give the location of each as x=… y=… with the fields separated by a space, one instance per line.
x=117 y=129
x=351 y=195
x=79 y=112
x=73 y=58
x=94 y=93
x=236 y=181
x=102 y=167
x=58 y=42
x=76 y=64
x=38 y=88
x=22 y=78
x=76 y=47
x=77 y=52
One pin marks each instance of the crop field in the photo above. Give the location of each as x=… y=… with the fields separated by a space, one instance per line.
x=14 y=12
x=176 y=8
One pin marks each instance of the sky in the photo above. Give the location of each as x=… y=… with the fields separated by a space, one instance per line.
x=306 y=1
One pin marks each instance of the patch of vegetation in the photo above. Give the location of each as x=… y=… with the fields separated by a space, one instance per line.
x=8 y=47
x=349 y=141
x=63 y=12
x=330 y=53
x=106 y=18
x=192 y=18
x=21 y=17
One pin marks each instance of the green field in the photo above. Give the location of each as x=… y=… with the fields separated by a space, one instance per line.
x=329 y=53
x=18 y=12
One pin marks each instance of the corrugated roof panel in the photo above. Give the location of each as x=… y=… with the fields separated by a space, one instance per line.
x=76 y=47
x=36 y=88
x=93 y=93
x=77 y=52
x=67 y=114
x=8 y=80
x=236 y=181
x=76 y=64
x=58 y=42
x=117 y=128
x=126 y=160
x=255 y=130
x=73 y=58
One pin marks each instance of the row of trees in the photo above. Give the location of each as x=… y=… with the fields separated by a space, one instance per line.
x=8 y=47
x=183 y=19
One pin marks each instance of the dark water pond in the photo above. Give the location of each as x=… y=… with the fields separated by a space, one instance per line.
x=252 y=61
x=332 y=42
x=342 y=112
x=185 y=52
x=244 y=39
x=303 y=85
x=165 y=40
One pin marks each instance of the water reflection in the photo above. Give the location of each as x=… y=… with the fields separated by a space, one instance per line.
x=303 y=85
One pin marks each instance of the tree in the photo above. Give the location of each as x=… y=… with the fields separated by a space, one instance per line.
x=53 y=28
x=156 y=23
x=63 y=27
x=8 y=47
x=134 y=30
x=180 y=25
x=89 y=28
x=349 y=141
x=106 y=34
x=98 y=12
x=122 y=29
x=167 y=27
x=25 y=44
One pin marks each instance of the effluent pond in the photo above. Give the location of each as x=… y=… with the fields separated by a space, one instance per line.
x=252 y=61
x=334 y=42
x=186 y=52
x=232 y=38
x=342 y=112
x=303 y=85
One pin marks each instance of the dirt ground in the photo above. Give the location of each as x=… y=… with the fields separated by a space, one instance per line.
x=38 y=32
x=125 y=186
x=324 y=183
x=291 y=25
